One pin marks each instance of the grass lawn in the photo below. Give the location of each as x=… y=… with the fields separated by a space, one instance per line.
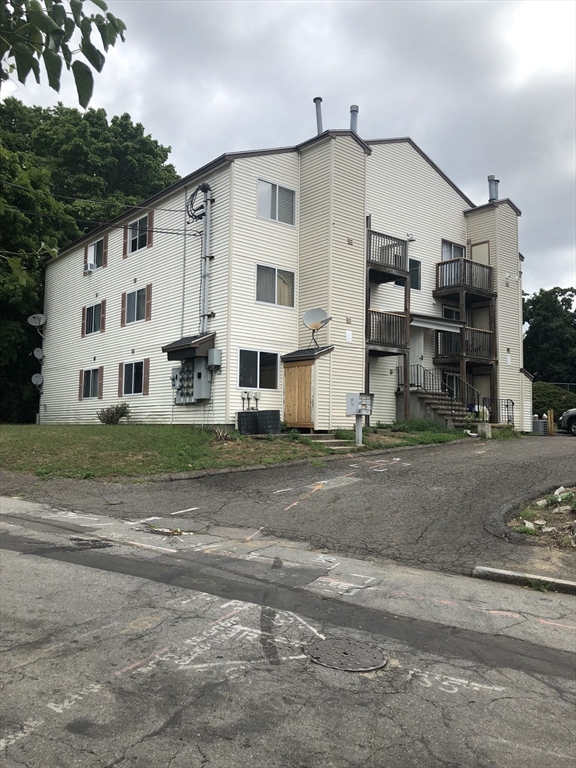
x=86 y=451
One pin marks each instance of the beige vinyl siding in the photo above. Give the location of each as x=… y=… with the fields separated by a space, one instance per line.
x=321 y=393
x=383 y=387
x=526 y=406
x=315 y=231
x=347 y=276
x=406 y=195
x=256 y=325
x=508 y=307
x=68 y=290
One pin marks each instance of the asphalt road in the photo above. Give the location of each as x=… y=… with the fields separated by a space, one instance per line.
x=437 y=507
x=161 y=658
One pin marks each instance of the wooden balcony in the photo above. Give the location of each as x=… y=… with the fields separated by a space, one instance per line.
x=386 y=333
x=387 y=258
x=478 y=346
x=463 y=273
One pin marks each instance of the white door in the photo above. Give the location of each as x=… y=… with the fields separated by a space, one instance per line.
x=416 y=346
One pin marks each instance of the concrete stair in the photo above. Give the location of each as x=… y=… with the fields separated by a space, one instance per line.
x=331 y=442
x=443 y=409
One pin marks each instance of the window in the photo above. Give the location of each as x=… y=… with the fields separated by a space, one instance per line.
x=136 y=305
x=138 y=234
x=452 y=251
x=414 y=267
x=93 y=318
x=90 y=383
x=450 y=313
x=275 y=202
x=133 y=378
x=96 y=253
x=258 y=370
x=274 y=286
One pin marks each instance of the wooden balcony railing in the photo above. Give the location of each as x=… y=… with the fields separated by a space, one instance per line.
x=387 y=251
x=386 y=329
x=477 y=343
x=463 y=273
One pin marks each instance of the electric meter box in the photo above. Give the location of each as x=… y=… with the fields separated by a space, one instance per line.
x=191 y=382
x=359 y=404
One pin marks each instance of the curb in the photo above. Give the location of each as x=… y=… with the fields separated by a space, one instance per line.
x=525 y=579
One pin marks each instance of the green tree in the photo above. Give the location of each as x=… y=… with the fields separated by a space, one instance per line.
x=34 y=31
x=62 y=173
x=550 y=341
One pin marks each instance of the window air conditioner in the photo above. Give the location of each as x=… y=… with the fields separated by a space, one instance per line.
x=90 y=267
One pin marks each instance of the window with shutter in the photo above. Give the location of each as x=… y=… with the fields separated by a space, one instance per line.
x=133 y=378
x=93 y=321
x=135 y=306
x=90 y=383
x=138 y=234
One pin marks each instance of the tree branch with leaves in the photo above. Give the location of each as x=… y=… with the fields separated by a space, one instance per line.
x=45 y=31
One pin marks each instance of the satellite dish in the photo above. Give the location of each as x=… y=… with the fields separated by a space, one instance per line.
x=38 y=353
x=315 y=319
x=37 y=379
x=37 y=320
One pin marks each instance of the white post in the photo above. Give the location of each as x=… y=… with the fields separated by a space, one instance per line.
x=358 y=429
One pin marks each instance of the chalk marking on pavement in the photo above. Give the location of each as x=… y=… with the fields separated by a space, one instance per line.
x=145 y=546
x=309 y=626
x=249 y=538
x=449 y=684
x=147 y=519
x=283 y=490
x=546 y=751
x=136 y=664
x=180 y=512
x=28 y=727
x=380 y=470
x=555 y=624
x=290 y=506
x=510 y=614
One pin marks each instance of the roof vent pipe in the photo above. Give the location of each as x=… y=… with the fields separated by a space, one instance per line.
x=318 y=102
x=493 y=189
x=354 y=118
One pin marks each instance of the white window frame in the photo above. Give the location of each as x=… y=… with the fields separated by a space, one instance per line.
x=269 y=218
x=92 y=306
x=92 y=254
x=265 y=352
x=275 y=302
x=136 y=225
x=132 y=394
x=90 y=371
x=452 y=246
x=136 y=320
x=452 y=309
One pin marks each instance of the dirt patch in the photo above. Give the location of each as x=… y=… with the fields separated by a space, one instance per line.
x=549 y=521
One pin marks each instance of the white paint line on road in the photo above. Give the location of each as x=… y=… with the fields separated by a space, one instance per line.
x=180 y=512
x=249 y=538
x=283 y=490
x=145 y=546
x=308 y=626
x=380 y=470
x=147 y=519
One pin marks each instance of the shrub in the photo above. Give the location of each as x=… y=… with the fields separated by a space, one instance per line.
x=546 y=396
x=114 y=413
x=417 y=425
x=506 y=432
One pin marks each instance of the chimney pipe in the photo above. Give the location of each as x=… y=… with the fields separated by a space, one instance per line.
x=354 y=118
x=318 y=102
x=493 y=189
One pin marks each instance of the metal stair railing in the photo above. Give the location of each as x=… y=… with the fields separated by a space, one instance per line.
x=461 y=394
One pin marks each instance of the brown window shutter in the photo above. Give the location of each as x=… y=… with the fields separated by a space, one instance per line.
x=123 y=311
x=85 y=258
x=125 y=243
x=105 y=252
x=150 y=236
x=148 y=315
x=83 y=322
x=146 y=377
x=121 y=380
x=100 y=382
x=81 y=385
x=103 y=316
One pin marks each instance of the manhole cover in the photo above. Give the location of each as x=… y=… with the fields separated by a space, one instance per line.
x=349 y=655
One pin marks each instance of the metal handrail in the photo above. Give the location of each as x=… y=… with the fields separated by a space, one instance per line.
x=429 y=381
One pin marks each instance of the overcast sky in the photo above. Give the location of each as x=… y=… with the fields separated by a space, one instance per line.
x=482 y=87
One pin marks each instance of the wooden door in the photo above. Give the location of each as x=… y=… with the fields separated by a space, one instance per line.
x=298 y=393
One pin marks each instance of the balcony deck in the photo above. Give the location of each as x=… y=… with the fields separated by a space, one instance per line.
x=478 y=346
x=472 y=276
x=386 y=257
x=386 y=333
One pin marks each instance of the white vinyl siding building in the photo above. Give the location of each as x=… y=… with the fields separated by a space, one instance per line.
x=288 y=233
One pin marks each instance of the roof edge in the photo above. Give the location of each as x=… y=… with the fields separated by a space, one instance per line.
x=333 y=134
x=496 y=204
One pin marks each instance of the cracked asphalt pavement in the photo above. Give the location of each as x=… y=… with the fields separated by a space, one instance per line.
x=437 y=507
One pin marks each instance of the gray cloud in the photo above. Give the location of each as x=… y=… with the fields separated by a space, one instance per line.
x=209 y=77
